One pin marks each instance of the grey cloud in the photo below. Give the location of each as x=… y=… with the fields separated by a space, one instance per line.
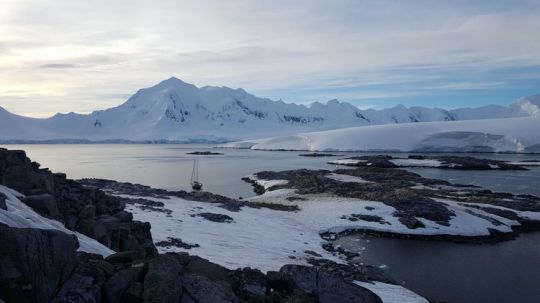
x=59 y=65
x=86 y=61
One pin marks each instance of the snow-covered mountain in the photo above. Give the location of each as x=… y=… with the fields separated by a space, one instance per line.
x=177 y=111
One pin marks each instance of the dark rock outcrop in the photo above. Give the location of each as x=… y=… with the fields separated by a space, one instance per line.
x=43 y=266
x=87 y=210
x=3 y=204
x=219 y=218
x=327 y=286
x=34 y=263
x=176 y=242
x=200 y=288
x=160 y=269
x=204 y=153
x=318 y=155
x=116 y=288
x=44 y=204
x=332 y=288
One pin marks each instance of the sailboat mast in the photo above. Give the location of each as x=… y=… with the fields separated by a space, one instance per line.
x=197 y=171
x=193 y=172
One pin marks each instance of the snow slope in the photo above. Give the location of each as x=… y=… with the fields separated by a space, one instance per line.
x=19 y=215
x=177 y=111
x=392 y=293
x=489 y=135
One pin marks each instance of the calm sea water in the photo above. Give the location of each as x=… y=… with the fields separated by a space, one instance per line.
x=502 y=272
x=166 y=166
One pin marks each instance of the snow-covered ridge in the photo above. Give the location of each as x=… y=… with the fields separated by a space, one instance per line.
x=19 y=215
x=518 y=135
x=177 y=111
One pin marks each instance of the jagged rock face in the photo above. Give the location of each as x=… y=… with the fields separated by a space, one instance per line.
x=162 y=268
x=44 y=204
x=328 y=286
x=23 y=175
x=118 y=286
x=87 y=210
x=332 y=288
x=34 y=263
x=43 y=266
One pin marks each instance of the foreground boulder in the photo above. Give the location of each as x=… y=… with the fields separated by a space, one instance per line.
x=162 y=268
x=326 y=285
x=34 y=263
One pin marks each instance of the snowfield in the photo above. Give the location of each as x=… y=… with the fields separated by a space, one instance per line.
x=19 y=215
x=517 y=135
x=259 y=238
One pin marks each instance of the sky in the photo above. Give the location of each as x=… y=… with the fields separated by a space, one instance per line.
x=71 y=55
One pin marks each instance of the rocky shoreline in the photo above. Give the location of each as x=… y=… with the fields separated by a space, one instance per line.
x=43 y=264
x=424 y=207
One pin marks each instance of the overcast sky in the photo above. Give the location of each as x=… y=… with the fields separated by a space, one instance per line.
x=68 y=55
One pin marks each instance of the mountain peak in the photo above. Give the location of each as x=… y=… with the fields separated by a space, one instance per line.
x=174 y=82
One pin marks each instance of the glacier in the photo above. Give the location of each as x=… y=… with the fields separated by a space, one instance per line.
x=513 y=135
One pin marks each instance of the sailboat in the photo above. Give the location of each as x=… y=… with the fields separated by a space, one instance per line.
x=195 y=184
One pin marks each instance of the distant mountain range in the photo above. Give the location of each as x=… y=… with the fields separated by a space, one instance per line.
x=175 y=111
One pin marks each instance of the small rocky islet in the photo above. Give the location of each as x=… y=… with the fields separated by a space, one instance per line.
x=319 y=155
x=204 y=153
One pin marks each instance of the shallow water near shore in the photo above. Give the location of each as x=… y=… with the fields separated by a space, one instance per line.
x=469 y=273
x=502 y=272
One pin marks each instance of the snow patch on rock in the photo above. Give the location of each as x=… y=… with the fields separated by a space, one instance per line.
x=19 y=215
x=390 y=293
